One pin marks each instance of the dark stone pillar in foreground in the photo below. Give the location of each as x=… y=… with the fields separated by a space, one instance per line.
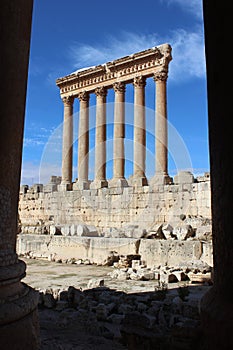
x=217 y=305
x=18 y=302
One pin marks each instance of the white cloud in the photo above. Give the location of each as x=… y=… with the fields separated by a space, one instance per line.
x=37 y=136
x=83 y=55
x=51 y=79
x=29 y=173
x=31 y=142
x=187 y=51
x=188 y=55
x=40 y=172
x=36 y=68
x=32 y=173
x=194 y=7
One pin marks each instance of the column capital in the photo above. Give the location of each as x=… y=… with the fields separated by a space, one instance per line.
x=139 y=82
x=119 y=87
x=68 y=100
x=101 y=91
x=160 y=75
x=83 y=96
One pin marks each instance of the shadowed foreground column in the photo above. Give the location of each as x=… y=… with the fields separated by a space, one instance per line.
x=18 y=302
x=217 y=304
x=100 y=140
x=119 y=135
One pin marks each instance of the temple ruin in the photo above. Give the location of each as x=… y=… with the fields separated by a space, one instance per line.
x=133 y=69
x=89 y=219
x=18 y=311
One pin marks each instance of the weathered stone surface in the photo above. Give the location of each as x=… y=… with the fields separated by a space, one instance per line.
x=184 y=231
x=171 y=253
x=204 y=233
x=135 y=212
x=95 y=249
x=94 y=283
x=184 y=177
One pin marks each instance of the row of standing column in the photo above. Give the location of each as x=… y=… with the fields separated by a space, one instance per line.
x=139 y=177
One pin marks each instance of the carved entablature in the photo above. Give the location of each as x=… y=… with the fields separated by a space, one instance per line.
x=141 y=64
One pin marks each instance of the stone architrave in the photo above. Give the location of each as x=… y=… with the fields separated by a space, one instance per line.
x=100 y=140
x=145 y=63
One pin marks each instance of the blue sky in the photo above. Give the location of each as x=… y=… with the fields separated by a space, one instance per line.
x=70 y=35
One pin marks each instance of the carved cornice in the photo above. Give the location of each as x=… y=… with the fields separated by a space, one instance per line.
x=68 y=100
x=123 y=70
x=139 y=82
x=101 y=91
x=83 y=96
x=160 y=76
x=119 y=87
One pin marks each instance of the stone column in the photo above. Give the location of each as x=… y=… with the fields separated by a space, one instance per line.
x=100 y=139
x=83 y=142
x=119 y=135
x=139 y=177
x=67 y=146
x=161 y=142
x=19 y=328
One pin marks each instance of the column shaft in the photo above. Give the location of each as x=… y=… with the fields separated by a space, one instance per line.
x=139 y=127
x=119 y=131
x=161 y=123
x=83 y=137
x=67 y=149
x=100 y=138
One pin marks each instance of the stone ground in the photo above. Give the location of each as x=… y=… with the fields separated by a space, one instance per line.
x=75 y=337
x=42 y=274
x=80 y=335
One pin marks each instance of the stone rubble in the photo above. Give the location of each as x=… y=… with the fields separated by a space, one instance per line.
x=166 y=316
x=194 y=271
x=191 y=227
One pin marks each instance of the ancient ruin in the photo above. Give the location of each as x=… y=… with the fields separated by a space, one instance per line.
x=18 y=302
x=116 y=74
x=150 y=231
x=89 y=220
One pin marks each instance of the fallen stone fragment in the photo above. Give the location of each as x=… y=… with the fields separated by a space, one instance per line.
x=95 y=283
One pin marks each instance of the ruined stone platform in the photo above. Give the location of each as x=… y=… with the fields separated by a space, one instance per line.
x=97 y=250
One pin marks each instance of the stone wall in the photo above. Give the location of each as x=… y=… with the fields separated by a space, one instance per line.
x=100 y=250
x=163 y=224
x=131 y=209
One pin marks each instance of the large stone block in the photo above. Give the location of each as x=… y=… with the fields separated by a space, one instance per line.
x=117 y=207
x=96 y=249
x=171 y=253
x=184 y=177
